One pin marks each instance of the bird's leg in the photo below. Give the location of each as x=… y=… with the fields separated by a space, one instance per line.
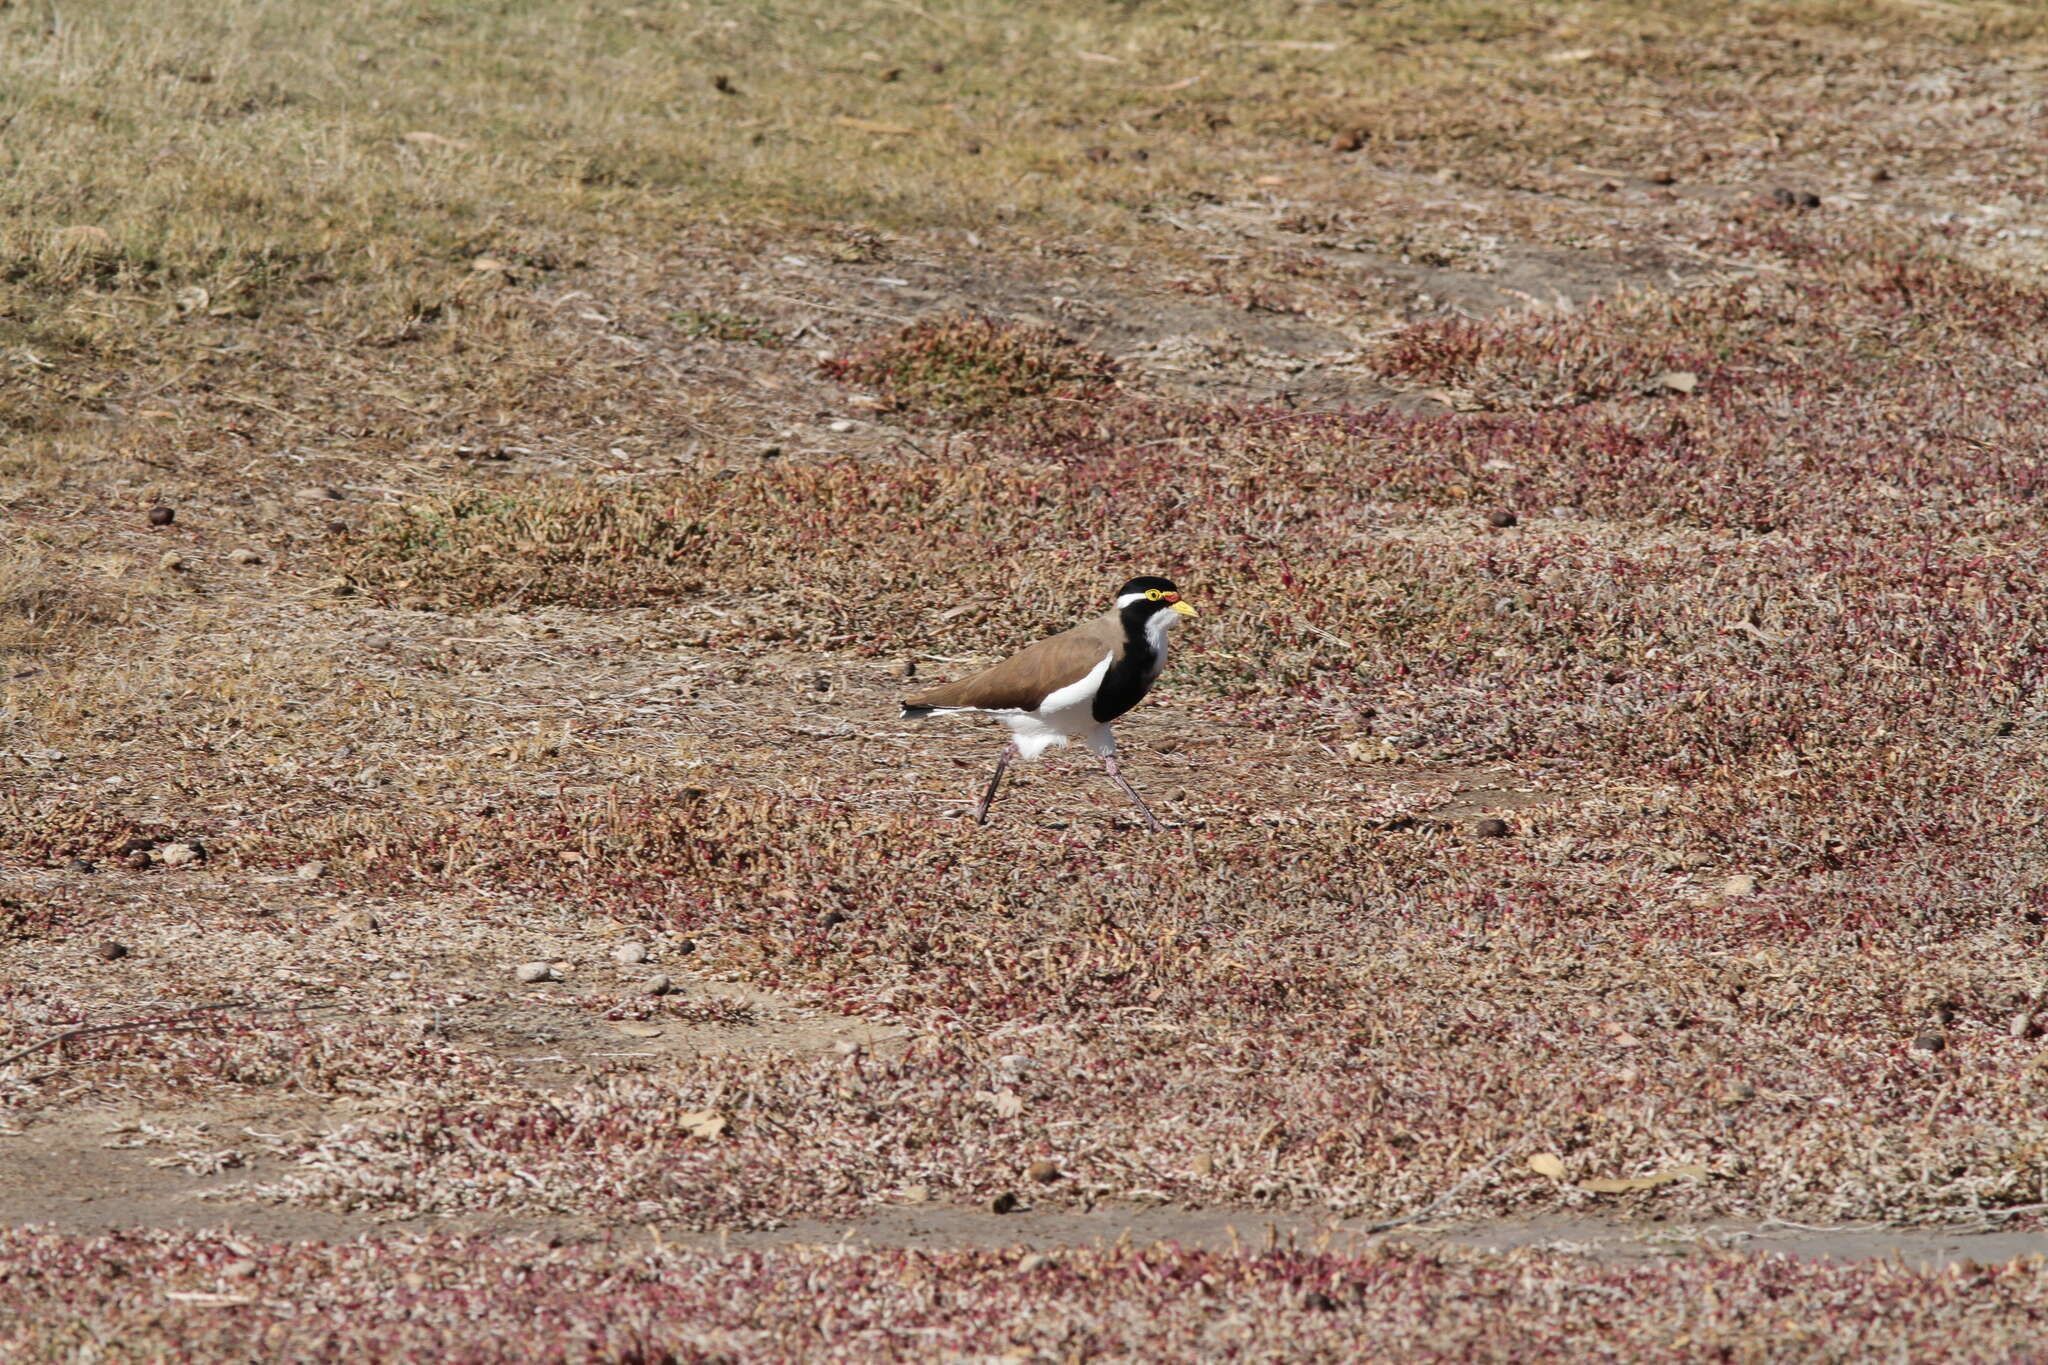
x=981 y=815
x=1109 y=764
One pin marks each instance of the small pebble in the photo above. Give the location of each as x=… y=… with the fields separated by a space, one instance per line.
x=111 y=950
x=1738 y=886
x=1044 y=1172
x=337 y=528
x=82 y=865
x=659 y=985
x=1320 y=1302
x=909 y=669
x=135 y=846
x=162 y=516
x=138 y=862
x=311 y=872
x=246 y=557
x=1032 y=1262
x=171 y=562
x=178 y=855
x=2023 y=1024
x=630 y=953
x=831 y=918
x=1944 y=1012
x=1501 y=518
x=842 y=425
x=530 y=972
x=1930 y=1042
x=1493 y=827
x=1350 y=140
x=688 y=945
x=1003 y=1203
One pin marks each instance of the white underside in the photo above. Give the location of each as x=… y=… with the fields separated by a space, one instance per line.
x=1063 y=717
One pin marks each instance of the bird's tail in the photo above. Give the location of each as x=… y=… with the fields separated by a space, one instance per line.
x=917 y=712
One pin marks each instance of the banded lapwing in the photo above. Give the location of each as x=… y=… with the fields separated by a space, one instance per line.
x=1070 y=686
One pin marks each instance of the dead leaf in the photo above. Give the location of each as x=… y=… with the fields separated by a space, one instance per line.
x=634 y=1028
x=1269 y=180
x=488 y=263
x=868 y=125
x=424 y=139
x=1670 y=1175
x=702 y=1123
x=1008 y=1104
x=1100 y=57
x=1548 y=1163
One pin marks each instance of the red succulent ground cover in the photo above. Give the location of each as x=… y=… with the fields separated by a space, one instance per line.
x=175 y=1297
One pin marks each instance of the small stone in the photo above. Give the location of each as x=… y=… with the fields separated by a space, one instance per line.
x=771 y=452
x=630 y=953
x=908 y=669
x=530 y=972
x=1203 y=1165
x=179 y=855
x=246 y=557
x=311 y=872
x=1349 y=140
x=1044 y=1172
x=82 y=865
x=1502 y=519
x=162 y=516
x=172 y=562
x=842 y=426
x=337 y=528
x=1493 y=827
x=1034 y=1261
x=1930 y=1042
x=831 y=918
x=1736 y=1092
x=111 y=950
x=1678 y=381
x=687 y=946
x=658 y=985
x=1943 y=1012
x=135 y=846
x=138 y=862
x=1098 y=155
x=1661 y=176
x=338 y=587
x=2023 y=1025
x=324 y=493
x=1317 y=1301
x=1613 y=676
x=1003 y=1203
x=1742 y=884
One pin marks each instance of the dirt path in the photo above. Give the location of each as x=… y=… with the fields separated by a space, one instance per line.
x=76 y=1177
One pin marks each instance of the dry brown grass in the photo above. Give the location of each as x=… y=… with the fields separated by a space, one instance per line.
x=566 y=460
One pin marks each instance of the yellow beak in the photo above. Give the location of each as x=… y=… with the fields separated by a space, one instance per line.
x=1184 y=609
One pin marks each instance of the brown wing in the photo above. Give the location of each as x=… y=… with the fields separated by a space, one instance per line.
x=1027 y=677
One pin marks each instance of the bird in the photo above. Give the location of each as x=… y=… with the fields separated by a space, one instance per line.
x=1069 y=686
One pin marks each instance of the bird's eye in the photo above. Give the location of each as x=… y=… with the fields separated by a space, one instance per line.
x=1153 y=594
